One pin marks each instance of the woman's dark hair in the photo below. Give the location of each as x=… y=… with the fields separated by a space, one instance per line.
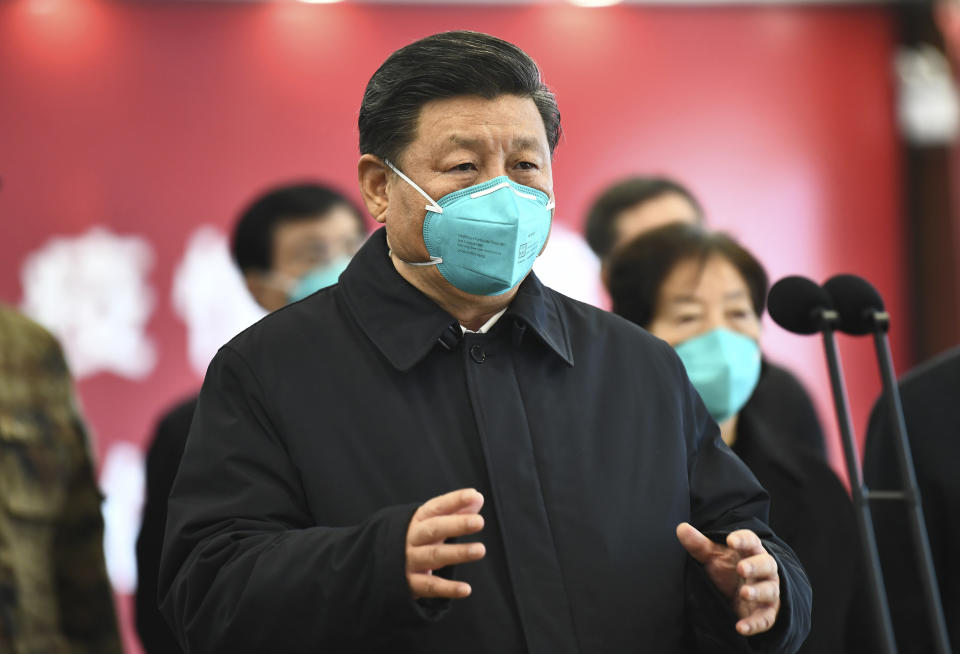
x=252 y=242
x=601 y=227
x=442 y=66
x=639 y=268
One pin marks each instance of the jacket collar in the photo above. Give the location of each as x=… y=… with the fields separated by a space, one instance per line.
x=406 y=325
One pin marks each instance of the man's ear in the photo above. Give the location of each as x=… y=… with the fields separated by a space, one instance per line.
x=372 y=174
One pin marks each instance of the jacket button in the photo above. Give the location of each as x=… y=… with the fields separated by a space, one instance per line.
x=477 y=354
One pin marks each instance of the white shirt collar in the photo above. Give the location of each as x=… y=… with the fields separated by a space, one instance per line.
x=487 y=325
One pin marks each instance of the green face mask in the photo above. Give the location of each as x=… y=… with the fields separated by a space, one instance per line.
x=724 y=367
x=484 y=239
x=320 y=277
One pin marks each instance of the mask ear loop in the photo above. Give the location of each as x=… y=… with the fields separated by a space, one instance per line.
x=433 y=206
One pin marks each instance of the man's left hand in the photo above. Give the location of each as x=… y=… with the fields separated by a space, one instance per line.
x=743 y=571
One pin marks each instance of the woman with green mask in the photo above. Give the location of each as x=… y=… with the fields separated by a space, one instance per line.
x=704 y=294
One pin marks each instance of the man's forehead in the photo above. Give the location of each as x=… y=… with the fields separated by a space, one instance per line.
x=462 y=140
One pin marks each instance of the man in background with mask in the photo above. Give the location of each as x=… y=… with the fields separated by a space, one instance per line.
x=289 y=242
x=440 y=454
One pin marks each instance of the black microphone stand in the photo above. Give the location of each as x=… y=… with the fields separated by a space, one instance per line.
x=864 y=521
x=910 y=494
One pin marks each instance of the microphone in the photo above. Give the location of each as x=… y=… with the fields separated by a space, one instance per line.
x=802 y=306
x=858 y=303
x=861 y=311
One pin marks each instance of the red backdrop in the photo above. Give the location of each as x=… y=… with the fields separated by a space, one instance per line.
x=151 y=118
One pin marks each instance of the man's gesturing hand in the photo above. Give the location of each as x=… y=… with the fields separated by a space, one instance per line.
x=447 y=516
x=743 y=571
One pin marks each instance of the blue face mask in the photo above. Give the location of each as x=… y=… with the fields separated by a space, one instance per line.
x=724 y=367
x=484 y=239
x=319 y=277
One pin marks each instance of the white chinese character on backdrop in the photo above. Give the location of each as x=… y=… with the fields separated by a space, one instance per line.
x=569 y=266
x=122 y=481
x=209 y=294
x=91 y=292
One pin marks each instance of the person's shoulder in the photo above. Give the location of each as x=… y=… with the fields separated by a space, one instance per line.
x=780 y=379
x=28 y=348
x=21 y=334
x=943 y=371
x=13 y=320
x=583 y=316
x=170 y=434
x=307 y=319
x=591 y=325
x=179 y=414
x=928 y=396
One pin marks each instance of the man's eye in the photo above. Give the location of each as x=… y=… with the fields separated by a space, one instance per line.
x=527 y=165
x=464 y=167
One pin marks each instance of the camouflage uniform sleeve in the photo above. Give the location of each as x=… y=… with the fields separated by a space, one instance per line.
x=84 y=593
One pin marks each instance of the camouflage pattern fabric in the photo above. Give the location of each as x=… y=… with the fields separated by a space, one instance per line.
x=54 y=593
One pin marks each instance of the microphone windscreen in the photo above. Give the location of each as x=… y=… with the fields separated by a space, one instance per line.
x=856 y=301
x=797 y=303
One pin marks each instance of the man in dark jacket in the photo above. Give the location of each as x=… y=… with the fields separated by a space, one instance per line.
x=439 y=453
x=288 y=242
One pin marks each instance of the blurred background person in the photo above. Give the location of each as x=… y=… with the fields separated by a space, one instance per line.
x=636 y=205
x=928 y=64
x=54 y=592
x=704 y=294
x=932 y=416
x=288 y=243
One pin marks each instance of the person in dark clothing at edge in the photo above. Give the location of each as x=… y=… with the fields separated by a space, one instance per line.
x=635 y=205
x=289 y=242
x=440 y=454
x=704 y=294
x=932 y=416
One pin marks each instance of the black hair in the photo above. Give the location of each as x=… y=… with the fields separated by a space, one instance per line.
x=443 y=66
x=601 y=227
x=252 y=242
x=639 y=268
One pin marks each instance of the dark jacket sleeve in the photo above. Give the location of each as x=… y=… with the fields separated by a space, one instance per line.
x=245 y=566
x=725 y=497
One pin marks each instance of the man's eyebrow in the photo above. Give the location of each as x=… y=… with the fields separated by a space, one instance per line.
x=526 y=143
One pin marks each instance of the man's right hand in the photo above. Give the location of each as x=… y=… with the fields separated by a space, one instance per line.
x=447 y=516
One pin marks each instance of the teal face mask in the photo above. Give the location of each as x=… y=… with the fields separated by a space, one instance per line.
x=724 y=367
x=484 y=239
x=319 y=277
